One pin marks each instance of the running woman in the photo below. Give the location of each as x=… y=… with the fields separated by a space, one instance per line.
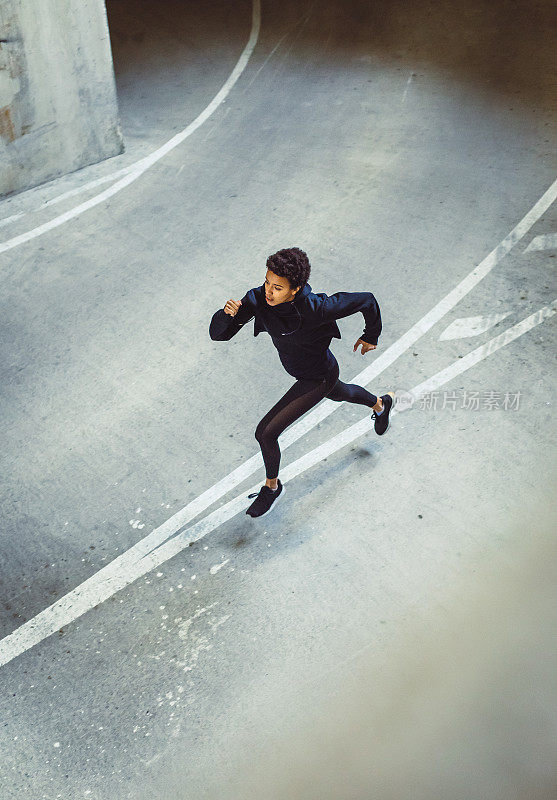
x=301 y=325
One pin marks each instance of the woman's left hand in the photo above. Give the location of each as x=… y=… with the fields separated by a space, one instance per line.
x=365 y=346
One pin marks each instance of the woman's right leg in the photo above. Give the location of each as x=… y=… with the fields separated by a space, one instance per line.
x=301 y=397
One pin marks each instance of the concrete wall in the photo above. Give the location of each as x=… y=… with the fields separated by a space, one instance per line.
x=58 y=109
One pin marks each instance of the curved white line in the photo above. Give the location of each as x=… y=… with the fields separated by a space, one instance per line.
x=86 y=186
x=112 y=176
x=144 y=163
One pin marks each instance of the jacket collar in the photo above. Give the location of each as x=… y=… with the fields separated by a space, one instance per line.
x=298 y=301
x=302 y=293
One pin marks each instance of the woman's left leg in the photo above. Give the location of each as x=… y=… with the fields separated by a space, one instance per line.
x=352 y=393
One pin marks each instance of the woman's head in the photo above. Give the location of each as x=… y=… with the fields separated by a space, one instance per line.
x=288 y=271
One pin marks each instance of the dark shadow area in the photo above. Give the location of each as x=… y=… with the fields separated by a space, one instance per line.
x=163 y=48
x=164 y=51
x=504 y=45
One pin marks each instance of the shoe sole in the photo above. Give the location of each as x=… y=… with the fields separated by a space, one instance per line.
x=269 y=509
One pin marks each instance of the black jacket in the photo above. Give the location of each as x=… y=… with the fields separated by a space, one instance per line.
x=302 y=329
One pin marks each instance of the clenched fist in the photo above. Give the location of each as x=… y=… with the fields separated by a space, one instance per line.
x=365 y=346
x=232 y=307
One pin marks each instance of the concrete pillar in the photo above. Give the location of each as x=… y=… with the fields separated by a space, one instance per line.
x=58 y=108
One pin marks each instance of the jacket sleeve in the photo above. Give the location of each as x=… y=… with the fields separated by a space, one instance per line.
x=343 y=304
x=223 y=326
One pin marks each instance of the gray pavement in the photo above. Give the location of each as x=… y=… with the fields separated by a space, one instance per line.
x=398 y=147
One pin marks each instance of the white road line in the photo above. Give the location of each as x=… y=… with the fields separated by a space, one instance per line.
x=89 y=185
x=111 y=578
x=288 y=32
x=72 y=192
x=471 y=326
x=547 y=241
x=267 y=59
x=92 y=592
x=408 y=82
x=7 y=220
x=472 y=358
x=144 y=163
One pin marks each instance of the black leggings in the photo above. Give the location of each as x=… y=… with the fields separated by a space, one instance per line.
x=302 y=396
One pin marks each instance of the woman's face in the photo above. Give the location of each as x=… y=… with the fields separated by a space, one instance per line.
x=277 y=289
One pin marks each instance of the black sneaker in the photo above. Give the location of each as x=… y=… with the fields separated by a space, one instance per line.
x=266 y=499
x=382 y=419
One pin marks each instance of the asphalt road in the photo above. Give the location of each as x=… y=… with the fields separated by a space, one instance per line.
x=399 y=147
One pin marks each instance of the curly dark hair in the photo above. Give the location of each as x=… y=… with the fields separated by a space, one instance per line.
x=291 y=263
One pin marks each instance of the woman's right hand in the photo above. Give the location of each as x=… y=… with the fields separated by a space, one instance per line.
x=232 y=307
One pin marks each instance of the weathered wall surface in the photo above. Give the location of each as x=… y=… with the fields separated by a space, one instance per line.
x=58 y=108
